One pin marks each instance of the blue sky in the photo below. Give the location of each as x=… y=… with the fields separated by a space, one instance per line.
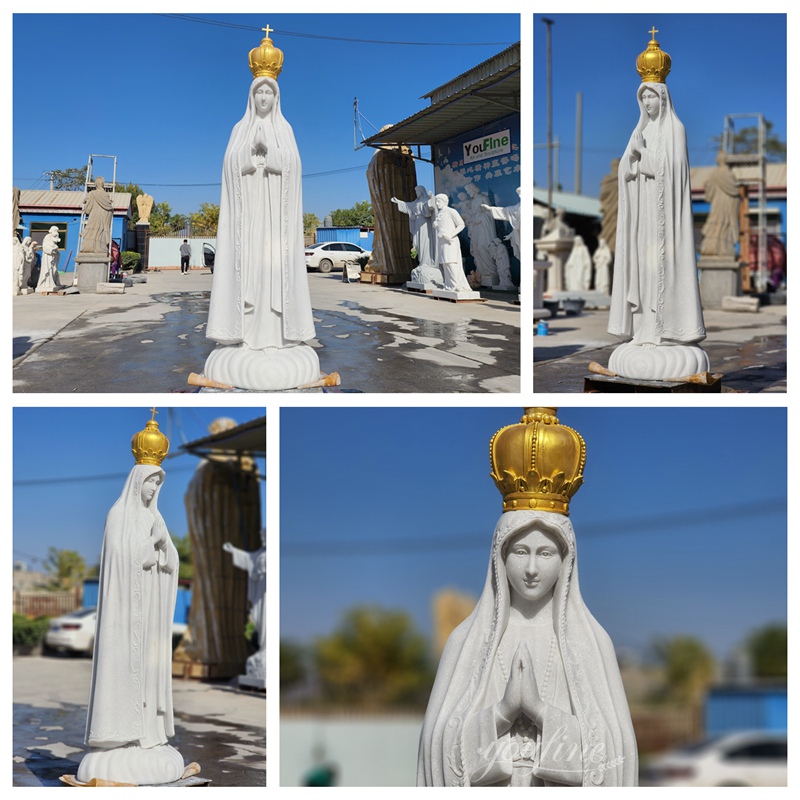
x=166 y=107
x=721 y=64
x=70 y=465
x=681 y=523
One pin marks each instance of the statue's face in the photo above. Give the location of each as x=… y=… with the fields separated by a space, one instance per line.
x=472 y=189
x=440 y=203
x=149 y=486
x=533 y=562
x=651 y=103
x=265 y=99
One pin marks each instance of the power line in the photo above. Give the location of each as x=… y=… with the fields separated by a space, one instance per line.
x=643 y=525
x=221 y=24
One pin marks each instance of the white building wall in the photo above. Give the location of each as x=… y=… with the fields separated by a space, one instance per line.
x=368 y=751
x=166 y=251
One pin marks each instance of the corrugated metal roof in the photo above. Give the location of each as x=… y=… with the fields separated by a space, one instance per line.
x=571 y=203
x=247 y=438
x=477 y=97
x=33 y=200
x=776 y=175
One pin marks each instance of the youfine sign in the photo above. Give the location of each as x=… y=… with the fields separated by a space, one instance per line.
x=495 y=144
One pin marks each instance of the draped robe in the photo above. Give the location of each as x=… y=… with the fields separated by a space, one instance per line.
x=586 y=700
x=655 y=296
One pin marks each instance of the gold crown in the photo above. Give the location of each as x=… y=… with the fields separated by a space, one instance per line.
x=653 y=64
x=266 y=60
x=537 y=464
x=150 y=446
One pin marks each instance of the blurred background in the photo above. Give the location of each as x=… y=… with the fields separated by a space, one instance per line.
x=386 y=521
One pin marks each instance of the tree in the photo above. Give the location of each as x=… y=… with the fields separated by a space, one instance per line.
x=68 y=179
x=205 y=221
x=745 y=140
x=164 y=223
x=375 y=659
x=688 y=667
x=66 y=569
x=292 y=663
x=360 y=215
x=134 y=190
x=310 y=224
x=767 y=648
x=185 y=563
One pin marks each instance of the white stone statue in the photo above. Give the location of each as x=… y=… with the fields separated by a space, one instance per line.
x=481 y=232
x=510 y=214
x=503 y=265
x=655 y=303
x=528 y=691
x=255 y=565
x=29 y=248
x=448 y=224
x=99 y=206
x=556 y=228
x=578 y=269
x=602 y=260
x=17 y=264
x=260 y=310
x=130 y=717
x=48 y=276
x=420 y=222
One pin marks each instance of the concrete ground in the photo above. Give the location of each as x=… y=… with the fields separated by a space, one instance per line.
x=747 y=349
x=379 y=339
x=220 y=727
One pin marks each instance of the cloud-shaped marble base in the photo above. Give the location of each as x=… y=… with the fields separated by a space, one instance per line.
x=661 y=363
x=270 y=370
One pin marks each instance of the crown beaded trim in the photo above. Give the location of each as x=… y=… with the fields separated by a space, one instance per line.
x=266 y=61
x=538 y=463
x=653 y=64
x=150 y=446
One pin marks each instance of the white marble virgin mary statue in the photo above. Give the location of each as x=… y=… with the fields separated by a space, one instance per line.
x=260 y=311
x=528 y=690
x=655 y=301
x=130 y=717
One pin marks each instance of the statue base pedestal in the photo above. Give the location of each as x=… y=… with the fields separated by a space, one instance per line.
x=132 y=764
x=719 y=277
x=421 y=288
x=609 y=384
x=90 y=270
x=457 y=297
x=252 y=682
x=270 y=370
x=658 y=363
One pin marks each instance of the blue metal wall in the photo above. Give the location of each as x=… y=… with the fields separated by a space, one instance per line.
x=730 y=710
x=69 y=245
x=352 y=235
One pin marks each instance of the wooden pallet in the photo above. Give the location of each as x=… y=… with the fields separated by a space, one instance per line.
x=593 y=384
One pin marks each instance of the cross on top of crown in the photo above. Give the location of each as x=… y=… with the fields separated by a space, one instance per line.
x=267 y=31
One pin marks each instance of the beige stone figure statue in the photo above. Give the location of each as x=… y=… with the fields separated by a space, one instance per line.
x=144 y=204
x=721 y=229
x=99 y=206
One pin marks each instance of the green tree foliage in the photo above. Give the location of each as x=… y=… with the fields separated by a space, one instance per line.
x=134 y=190
x=164 y=223
x=360 y=215
x=292 y=664
x=310 y=224
x=745 y=140
x=688 y=667
x=204 y=222
x=66 y=569
x=376 y=659
x=767 y=648
x=29 y=632
x=70 y=179
x=185 y=563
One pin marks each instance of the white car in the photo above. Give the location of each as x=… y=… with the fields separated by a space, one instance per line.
x=746 y=758
x=73 y=632
x=326 y=256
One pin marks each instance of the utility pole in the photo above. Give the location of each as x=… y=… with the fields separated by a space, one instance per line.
x=549 y=23
x=578 y=142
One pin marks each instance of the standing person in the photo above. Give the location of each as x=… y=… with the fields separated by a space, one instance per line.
x=186 y=254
